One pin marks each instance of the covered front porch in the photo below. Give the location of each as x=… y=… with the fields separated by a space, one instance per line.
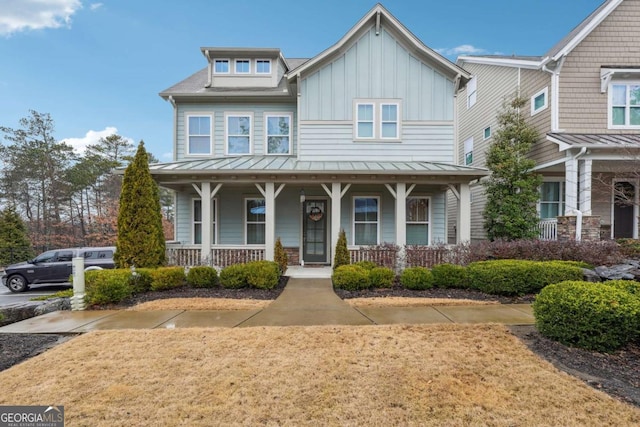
x=252 y=202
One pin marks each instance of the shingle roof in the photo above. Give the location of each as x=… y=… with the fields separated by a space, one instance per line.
x=596 y=140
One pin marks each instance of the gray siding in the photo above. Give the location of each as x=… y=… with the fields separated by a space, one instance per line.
x=376 y=67
x=334 y=141
x=613 y=43
x=218 y=111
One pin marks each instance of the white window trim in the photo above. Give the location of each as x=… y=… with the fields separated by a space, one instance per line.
x=246 y=222
x=377 y=119
x=266 y=134
x=214 y=223
x=544 y=92
x=561 y=194
x=221 y=59
x=353 y=218
x=472 y=91
x=466 y=144
x=235 y=66
x=484 y=138
x=187 y=145
x=260 y=60
x=627 y=107
x=226 y=132
x=428 y=222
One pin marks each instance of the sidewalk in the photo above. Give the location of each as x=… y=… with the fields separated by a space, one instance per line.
x=303 y=302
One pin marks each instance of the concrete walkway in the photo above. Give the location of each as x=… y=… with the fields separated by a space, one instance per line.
x=303 y=302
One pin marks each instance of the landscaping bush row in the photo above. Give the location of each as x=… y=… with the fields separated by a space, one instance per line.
x=595 y=316
x=362 y=275
x=113 y=286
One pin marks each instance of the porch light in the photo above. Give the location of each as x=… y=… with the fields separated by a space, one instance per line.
x=302 y=197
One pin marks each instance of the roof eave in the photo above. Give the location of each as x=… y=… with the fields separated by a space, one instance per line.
x=502 y=62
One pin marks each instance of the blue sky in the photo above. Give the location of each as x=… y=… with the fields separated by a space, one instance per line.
x=97 y=66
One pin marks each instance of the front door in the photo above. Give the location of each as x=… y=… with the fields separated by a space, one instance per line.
x=314 y=232
x=624 y=196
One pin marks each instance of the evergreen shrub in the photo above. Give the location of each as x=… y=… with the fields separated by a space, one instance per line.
x=164 y=278
x=350 y=278
x=417 y=278
x=450 y=276
x=202 y=276
x=381 y=277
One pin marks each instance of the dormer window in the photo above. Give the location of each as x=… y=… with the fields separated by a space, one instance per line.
x=221 y=66
x=263 y=66
x=243 y=66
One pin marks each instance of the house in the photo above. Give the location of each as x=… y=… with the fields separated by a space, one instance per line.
x=360 y=137
x=584 y=100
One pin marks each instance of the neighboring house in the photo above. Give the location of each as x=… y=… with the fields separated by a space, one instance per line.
x=360 y=137
x=584 y=100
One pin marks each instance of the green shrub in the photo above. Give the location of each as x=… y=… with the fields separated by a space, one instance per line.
x=517 y=277
x=350 y=278
x=262 y=274
x=342 y=252
x=234 y=276
x=280 y=256
x=367 y=265
x=594 y=316
x=140 y=282
x=418 y=278
x=630 y=286
x=164 y=278
x=381 y=277
x=450 y=276
x=107 y=286
x=202 y=277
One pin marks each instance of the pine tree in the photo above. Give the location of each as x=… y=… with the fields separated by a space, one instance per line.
x=342 y=252
x=140 y=236
x=14 y=241
x=512 y=188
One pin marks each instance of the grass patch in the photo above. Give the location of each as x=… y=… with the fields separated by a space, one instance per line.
x=319 y=375
x=67 y=293
x=201 y=304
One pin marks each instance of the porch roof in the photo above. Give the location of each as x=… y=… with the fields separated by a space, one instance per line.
x=594 y=140
x=287 y=165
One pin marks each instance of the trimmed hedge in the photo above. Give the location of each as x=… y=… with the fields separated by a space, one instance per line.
x=107 y=286
x=202 y=277
x=630 y=286
x=351 y=278
x=367 y=265
x=164 y=278
x=417 y=278
x=594 y=316
x=381 y=277
x=450 y=276
x=141 y=280
x=262 y=274
x=517 y=277
x=234 y=277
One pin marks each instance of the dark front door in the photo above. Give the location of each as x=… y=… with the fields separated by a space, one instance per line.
x=623 y=209
x=314 y=231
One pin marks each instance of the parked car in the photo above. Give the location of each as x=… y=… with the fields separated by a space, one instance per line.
x=55 y=266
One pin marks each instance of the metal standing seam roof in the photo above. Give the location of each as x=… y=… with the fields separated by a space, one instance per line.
x=596 y=140
x=285 y=164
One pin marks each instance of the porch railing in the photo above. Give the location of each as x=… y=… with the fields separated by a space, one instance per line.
x=427 y=256
x=381 y=255
x=548 y=229
x=219 y=256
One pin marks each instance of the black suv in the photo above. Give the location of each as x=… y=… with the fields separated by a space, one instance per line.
x=55 y=266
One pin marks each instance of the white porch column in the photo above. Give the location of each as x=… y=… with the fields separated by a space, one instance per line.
x=336 y=209
x=571 y=186
x=585 y=186
x=401 y=214
x=205 y=203
x=270 y=221
x=464 y=214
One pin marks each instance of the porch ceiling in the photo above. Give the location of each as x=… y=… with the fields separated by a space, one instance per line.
x=286 y=168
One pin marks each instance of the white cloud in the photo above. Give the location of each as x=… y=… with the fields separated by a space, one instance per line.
x=95 y=6
x=92 y=137
x=465 y=49
x=27 y=15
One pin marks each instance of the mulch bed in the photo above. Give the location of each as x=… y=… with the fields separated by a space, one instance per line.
x=617 y=374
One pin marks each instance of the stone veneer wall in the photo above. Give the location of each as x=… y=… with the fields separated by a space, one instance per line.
x=590 y=228
x=294 y=255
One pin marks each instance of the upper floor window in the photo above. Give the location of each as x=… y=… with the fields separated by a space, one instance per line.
x=539 y=101
x=263 y=66
x=221 y=66
x=624 y=105
x=468 y=151
x=278 y=134
x=238 y=133
x=243 y=66
x=486 y=133
x=199 y=134
x=472 y=89
x=377 y=119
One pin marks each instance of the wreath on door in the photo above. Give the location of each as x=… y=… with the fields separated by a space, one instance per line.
x=315 y=214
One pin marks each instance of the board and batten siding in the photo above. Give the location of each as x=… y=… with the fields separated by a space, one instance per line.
x=218 y=111
x=376 y=67
x=614 y=43
x=334 y=141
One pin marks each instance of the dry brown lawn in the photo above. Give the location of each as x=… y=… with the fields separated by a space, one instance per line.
x=411 y=302
x=201 y=304
x=444 y=375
